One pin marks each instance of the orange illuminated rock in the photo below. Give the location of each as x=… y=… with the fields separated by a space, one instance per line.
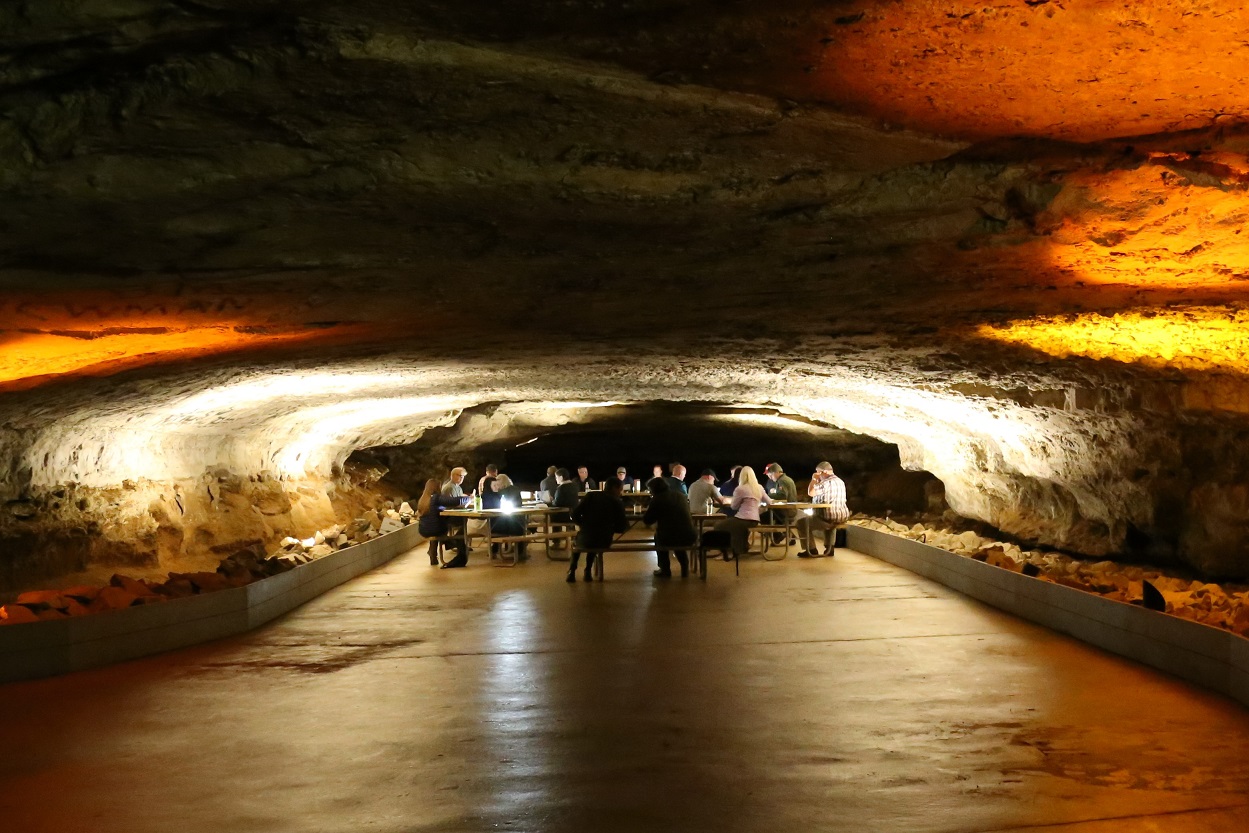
x=15 y=614
x=43 y=598
x=76 y=608
x=82 y=593
x=112 y=598
x=176 y=589
x=202 y=582
x=1083 y=70
x=131 y=585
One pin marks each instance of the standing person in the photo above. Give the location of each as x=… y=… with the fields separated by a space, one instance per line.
x=674 y=530
x=585 y=483
x=703 y=490
x=601 y=517
x=676 y=480
x=432 y=524
x=780 y=487
x=747 y=498
x=827 y=488
x=548 y=486
x=491 y=471
x=453 y=485
x=509 y=523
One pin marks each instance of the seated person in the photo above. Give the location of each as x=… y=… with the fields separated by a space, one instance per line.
x=567 y=496
x=676 y=480
x=509 y=524
x=826 y=488
x=780 y=487
x=600 y=517
x=747 y=498
x=432 y=524
x=585 y=483
x=674 y=528
x=546 y=489
x=703 y=493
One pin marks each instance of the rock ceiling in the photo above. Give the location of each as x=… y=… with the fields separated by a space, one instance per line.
x=253 y=236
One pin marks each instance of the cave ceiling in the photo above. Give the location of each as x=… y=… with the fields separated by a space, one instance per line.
x=1005 y=236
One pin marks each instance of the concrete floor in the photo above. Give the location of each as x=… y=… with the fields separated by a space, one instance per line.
x=839 y=694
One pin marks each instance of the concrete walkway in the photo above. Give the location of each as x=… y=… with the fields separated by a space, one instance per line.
x=840 y=694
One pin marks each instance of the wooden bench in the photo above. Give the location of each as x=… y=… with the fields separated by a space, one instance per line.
x=697 y=562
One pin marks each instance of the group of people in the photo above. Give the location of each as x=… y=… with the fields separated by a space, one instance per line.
x=600 y=515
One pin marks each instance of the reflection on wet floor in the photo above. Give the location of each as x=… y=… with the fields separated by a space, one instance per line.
x=836 y=694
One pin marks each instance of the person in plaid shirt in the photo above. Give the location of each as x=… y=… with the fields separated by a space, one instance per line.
x=826 y=488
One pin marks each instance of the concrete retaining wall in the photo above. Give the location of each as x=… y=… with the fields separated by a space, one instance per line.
x=1210 y=657
x=42 y=649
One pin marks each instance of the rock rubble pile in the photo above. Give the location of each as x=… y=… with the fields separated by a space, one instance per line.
x=238 y=570
x=1217 y=605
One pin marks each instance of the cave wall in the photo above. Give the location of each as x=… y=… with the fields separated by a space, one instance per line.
x=245 y=239
x=1073 y=477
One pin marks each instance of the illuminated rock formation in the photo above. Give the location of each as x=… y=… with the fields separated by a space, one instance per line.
x=243 y=240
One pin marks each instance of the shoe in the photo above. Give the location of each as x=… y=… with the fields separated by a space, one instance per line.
x=830 y=551
x=588 y=576
x=792 y=541
x=724 y=556
x=663 y=574
x=808 y=554
x=571 y=578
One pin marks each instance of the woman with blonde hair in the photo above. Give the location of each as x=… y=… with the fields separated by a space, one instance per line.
x=433 y=525
x=747 y=498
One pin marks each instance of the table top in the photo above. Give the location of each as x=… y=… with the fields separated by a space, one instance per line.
x=494 y=513
x=622 y=494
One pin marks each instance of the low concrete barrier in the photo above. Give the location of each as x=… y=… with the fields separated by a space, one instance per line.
x=43 y=649
x=1210 y=657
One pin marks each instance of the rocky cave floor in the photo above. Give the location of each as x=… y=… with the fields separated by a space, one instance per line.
x=1219 y=605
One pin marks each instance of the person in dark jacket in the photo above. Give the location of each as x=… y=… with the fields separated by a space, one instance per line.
x=432 y=524
x=669 y=510
x=567 y=496
x=600 y=517
x=507 y=524
x=585 y=483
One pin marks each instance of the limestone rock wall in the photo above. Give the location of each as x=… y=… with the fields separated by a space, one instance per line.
x=1084 y=479
x=245 y=239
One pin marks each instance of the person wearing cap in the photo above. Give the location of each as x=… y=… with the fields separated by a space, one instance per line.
x=704 y=489
x=780 y=487
x=622 y=474
x=826 y=488
x=676 y=480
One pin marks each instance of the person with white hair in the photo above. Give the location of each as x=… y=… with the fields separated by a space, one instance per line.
x=829 y=489
x=453 y=485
